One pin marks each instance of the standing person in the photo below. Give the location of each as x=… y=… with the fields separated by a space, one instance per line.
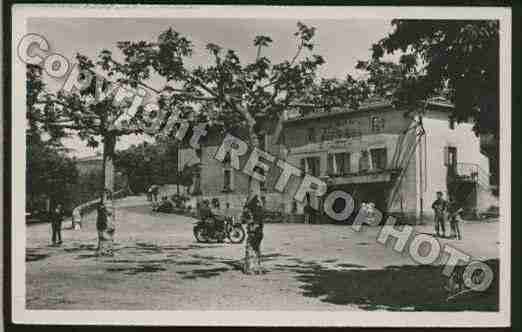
x=454 y=211
x=440 y=206
x=307 y=210
x=307 y=213
x=254 y=238
x=149 y=194
x=56 y=224
x=370 y=212
x=77 y=218
x=155 y=191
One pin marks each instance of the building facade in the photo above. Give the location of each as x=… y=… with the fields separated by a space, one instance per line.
x=397 y=159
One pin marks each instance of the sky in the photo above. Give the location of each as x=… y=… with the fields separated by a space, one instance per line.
x=341 y=43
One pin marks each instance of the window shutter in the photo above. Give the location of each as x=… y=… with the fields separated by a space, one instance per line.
x=317 y=166
x=303 y=165
x=347 y=168
x=330 y=163
x=446 y=156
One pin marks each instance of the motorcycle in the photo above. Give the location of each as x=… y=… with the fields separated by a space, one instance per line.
x=209 y=230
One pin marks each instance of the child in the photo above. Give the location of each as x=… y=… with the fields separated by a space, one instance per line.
x=453 y=214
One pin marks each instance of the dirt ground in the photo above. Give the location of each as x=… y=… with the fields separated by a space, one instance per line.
x=158 y=265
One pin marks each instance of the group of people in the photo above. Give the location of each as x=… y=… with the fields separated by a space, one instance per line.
x=253 y=217
x=452 y=209
x=56 y=216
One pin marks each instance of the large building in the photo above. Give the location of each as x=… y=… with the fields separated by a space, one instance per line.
x=397 y=159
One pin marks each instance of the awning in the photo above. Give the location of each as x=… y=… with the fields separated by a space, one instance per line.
x=373 y=177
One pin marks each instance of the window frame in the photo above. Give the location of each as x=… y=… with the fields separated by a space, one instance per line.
x=376 y=127
x=373 y=163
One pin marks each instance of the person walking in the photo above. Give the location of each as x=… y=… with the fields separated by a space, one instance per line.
x=440 y=206
x=56 y=224
x=454 y=211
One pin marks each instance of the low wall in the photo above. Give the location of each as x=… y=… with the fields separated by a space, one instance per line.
x=90 y=206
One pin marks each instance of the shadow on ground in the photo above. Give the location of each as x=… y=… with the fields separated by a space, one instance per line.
x=141 y=268
x=409 y=287
x=203 y=273
x=35 y=254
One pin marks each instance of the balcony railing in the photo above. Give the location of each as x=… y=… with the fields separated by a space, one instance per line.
x=472 y=172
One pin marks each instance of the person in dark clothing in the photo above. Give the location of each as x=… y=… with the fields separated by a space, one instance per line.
x=154 y=191
x=255 y=236
x=454 y=210
x=204 y=210
x=101 y=217
x=206 y=214
x=165 y=206
x=440 y=206
x=57 y=215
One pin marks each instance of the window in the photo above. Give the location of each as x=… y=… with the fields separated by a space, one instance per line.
x=311 y=135
x=197 y=181
x=450 y=157
x=311 y=165
x=343 y=162
x=227 y=180
x=376 y=124
x=262 y=184
x=331 y=164
x=303 y=165
x=379 y=160
x=364 y=162
x=294 y=206
x=339 y=163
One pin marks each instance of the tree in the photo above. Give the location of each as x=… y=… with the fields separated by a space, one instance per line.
x=458 y=57
x=226 y=93
x=49 y=173
x=328 y=93
x=146 y=164
x=92 y=112
x=401 y=83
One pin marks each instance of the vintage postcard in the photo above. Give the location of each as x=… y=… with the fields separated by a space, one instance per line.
x=260 y=166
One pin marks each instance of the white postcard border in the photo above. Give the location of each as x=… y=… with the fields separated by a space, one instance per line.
x=255 y=318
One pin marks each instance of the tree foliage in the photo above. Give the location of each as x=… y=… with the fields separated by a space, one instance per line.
x=327 y=93
x=147 y=164
x=226 y=92
x=457 y=57
x=50 y=174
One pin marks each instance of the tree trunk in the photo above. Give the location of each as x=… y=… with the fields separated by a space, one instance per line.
x=106 y=230
x=254 y=186
x=252 y=260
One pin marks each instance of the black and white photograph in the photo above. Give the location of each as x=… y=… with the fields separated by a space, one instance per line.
x=261 y=165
